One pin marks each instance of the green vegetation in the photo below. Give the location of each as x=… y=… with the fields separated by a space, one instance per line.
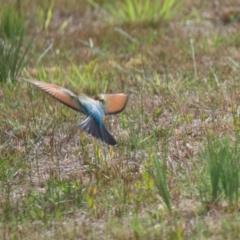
x=11 y=44
x=139 y=10
x=222 y=158
x=174 y=173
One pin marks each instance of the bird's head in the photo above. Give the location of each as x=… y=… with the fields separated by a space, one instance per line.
x=100 y=97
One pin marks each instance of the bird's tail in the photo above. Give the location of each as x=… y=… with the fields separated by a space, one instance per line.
x=90 y=126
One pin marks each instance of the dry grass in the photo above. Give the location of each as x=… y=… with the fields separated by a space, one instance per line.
x=57 y=182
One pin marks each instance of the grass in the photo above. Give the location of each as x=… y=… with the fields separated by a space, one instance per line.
x=222 y=166
x=11 y=44
x=174 y=173
x=139 y=11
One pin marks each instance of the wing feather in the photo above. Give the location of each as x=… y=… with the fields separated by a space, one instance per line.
x=114 y=103
x=90 y=126
x=59 y=93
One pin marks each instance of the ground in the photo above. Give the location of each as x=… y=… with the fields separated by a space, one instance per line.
x=182 y=77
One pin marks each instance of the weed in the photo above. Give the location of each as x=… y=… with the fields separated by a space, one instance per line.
x=159 y=175
x=222 y=158
x=44 y=15
x=11 y=44
x=141 y=11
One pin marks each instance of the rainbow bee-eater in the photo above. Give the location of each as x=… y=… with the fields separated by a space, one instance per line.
x=94 y=109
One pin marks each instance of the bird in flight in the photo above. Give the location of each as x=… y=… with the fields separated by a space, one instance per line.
x=93 y=108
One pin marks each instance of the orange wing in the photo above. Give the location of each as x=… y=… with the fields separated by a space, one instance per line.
x=114 y=103
x=61 y=94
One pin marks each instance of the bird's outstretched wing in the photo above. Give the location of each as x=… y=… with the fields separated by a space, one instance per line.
x=113 y=103
x=90 y=126
x=63 y=95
